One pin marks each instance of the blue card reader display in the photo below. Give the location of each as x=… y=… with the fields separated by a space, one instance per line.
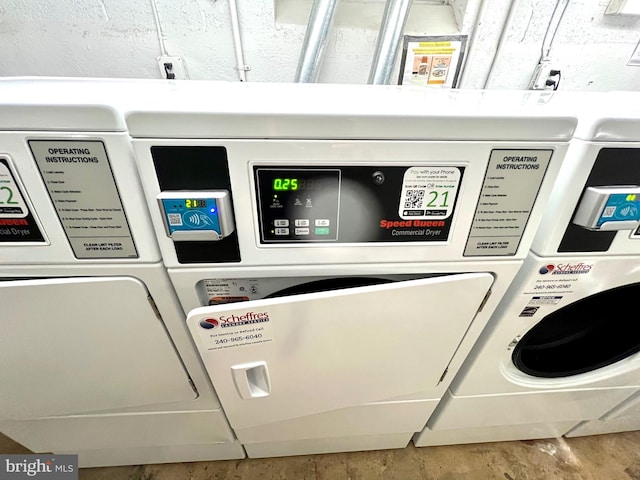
x=194 y=216
x=621 y=207
x=609 y=208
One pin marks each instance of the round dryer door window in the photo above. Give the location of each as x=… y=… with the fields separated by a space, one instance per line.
x=591 y=333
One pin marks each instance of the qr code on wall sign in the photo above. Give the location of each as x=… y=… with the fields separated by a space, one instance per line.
x=414 y=198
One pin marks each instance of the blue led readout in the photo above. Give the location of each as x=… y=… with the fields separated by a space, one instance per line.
x=620 y=207
x=200 y=215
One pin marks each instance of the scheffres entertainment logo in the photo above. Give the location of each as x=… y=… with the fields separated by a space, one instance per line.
x=53 y=467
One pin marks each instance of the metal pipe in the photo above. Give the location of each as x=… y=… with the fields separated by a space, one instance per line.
x=237 y=41
x=552 y=29
x=318 y=28
x=501 y=41
x=389 y=38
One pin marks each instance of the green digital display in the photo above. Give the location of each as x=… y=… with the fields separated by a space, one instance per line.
x=195 y=202
x=285 y=184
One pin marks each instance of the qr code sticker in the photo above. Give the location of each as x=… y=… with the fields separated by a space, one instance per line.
x=175 y=219
x=413 y=198
x=609 y=211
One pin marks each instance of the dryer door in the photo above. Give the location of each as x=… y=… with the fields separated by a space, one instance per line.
x=300 y=355
x=75 y=345
x=586 y=335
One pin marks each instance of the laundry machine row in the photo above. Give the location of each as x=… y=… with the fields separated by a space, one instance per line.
x=560 y=356
x=336 y=252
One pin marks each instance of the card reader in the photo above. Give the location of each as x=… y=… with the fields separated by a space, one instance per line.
x=197 y=215
x=609 y=208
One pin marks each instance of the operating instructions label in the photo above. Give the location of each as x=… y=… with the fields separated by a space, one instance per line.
x=509 y=191
x=80 y=182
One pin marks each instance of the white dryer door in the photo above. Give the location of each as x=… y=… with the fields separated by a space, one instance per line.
x=75 y=345
x=300 y=355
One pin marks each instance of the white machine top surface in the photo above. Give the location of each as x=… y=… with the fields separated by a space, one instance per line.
x=185 y=109
x=610 y=116
x=61 y=104
x=259 y=110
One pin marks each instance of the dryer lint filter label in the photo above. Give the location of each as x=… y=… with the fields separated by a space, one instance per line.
x=508 y=194
x=82 y=188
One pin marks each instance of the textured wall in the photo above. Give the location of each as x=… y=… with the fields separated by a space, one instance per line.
x=118 y=38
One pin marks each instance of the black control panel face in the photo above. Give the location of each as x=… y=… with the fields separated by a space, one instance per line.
x=298 y=205
x=356 y=204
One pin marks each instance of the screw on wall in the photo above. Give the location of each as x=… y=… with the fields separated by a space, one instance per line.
x=171 y=68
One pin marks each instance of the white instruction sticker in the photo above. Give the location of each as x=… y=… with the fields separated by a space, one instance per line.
x=428 y=192
x=80 y=183
x=231 y=330
x=508 y=195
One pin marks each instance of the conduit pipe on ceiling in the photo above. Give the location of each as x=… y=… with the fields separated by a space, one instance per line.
x=241 y=67
x=389 y=38
x=315 y=40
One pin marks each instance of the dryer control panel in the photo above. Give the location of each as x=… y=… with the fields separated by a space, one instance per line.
x=354 y=204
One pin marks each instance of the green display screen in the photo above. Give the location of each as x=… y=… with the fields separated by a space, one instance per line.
x=285 y=184
x=195 y=203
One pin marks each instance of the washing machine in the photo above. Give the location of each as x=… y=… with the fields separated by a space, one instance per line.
x=338 y=249
x=95 y=358
x=563 y=345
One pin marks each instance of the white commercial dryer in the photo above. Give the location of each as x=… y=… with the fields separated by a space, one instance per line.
x=95 y=359
x=563 y=345
x=338 y=249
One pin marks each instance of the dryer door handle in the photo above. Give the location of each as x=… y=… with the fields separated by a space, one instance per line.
x=252 y=379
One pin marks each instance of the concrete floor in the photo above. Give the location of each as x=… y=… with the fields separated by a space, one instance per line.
x=609 y=457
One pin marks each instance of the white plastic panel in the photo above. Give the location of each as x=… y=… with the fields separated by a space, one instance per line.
x=524 y=408
x=74 y=345
x=498 y=433
x=313 y=345
x=623 y=418
x=243 y=154
x=74 y=433
x=14 y=146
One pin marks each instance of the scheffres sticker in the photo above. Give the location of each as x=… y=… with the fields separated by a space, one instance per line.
x=553 y=278
x=428 y=193
x=231 y=330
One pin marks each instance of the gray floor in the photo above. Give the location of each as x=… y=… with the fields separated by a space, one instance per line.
x=609 y=457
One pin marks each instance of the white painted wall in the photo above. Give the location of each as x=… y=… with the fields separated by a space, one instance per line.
x=118 y=38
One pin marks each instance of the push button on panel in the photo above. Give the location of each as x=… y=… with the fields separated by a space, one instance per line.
x=322 y=222
x=281 y=222
x=282 y=231
x=302 y=231
x=302 y=222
